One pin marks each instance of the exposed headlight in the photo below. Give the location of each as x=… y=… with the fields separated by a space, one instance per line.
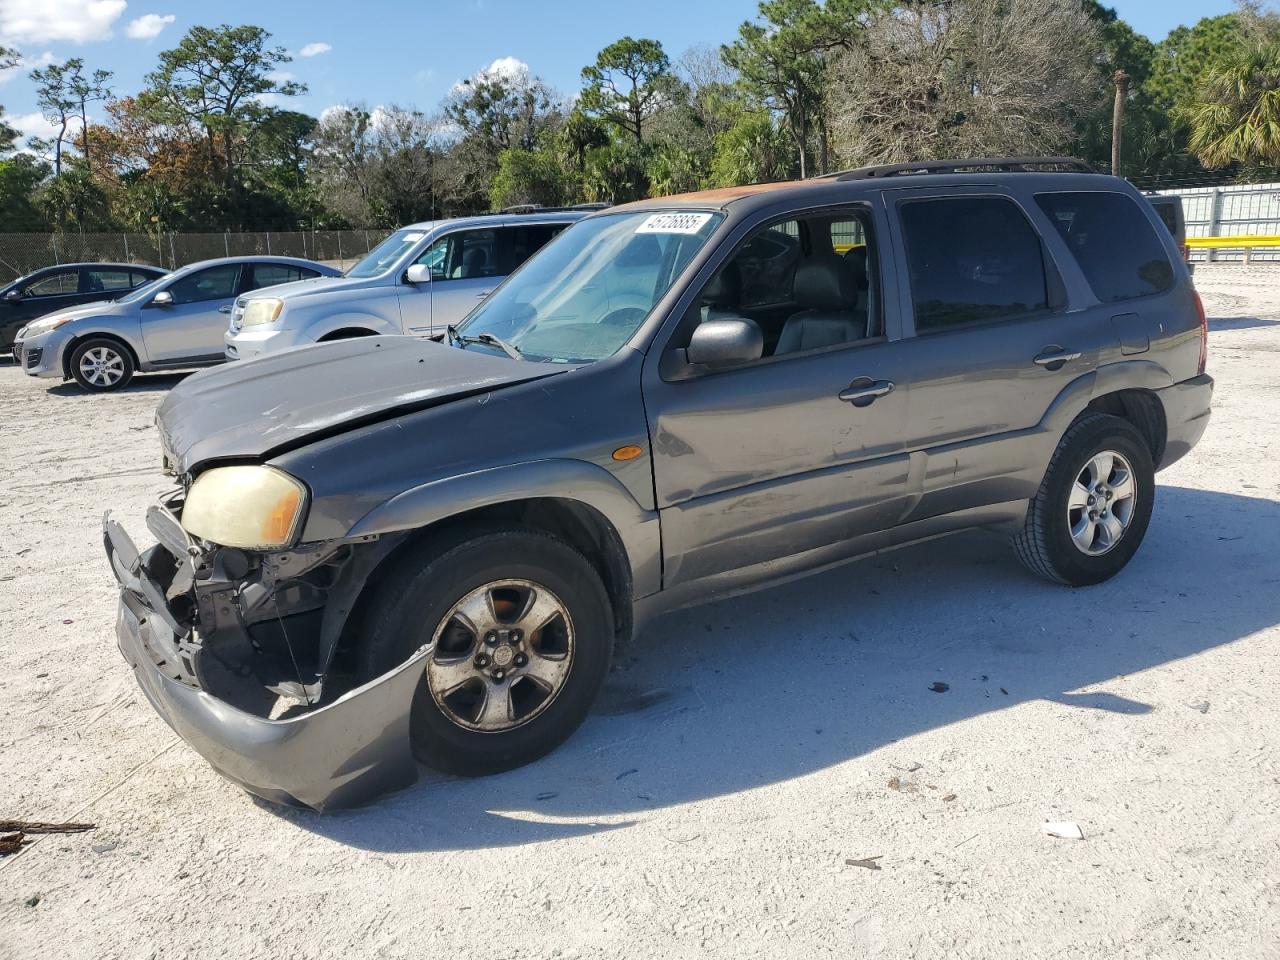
x=46 y=324
x=255 y=508
x=264 y=310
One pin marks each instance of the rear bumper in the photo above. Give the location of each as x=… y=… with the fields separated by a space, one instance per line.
x=340 y=754
x=1186 y=413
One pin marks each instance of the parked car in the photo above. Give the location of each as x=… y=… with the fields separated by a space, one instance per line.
x=1169 y=209
x=419 y=280
x=675 y=400
x=70 y=284
x=170 y=323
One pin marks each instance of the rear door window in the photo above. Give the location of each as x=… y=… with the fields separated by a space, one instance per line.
x=972 y=260
x=103 y=281
x=1114 y=243
x=522 y=242
x=271 y=274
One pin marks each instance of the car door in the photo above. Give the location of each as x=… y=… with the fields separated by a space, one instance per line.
x=799 y=456
x=992 y=339
x=46 y=292
x=463 y=272
x=190 y=329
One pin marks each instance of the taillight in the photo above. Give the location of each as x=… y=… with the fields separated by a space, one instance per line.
x=1204 y=333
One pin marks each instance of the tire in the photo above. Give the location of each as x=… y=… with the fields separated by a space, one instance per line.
x=416 y=604
x=101 y=364
x=1062 y=542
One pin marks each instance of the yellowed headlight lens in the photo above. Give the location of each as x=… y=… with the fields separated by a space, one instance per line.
x=256 y=508
x=264 y=310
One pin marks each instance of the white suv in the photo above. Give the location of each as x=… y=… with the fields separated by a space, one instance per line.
x=418 y=281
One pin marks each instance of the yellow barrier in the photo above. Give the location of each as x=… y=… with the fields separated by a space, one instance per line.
x=1231 y=243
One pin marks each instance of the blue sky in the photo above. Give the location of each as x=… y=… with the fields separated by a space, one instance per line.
x=377 y=51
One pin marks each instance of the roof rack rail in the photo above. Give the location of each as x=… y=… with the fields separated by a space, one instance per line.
x=991 y=164
x=539 y=208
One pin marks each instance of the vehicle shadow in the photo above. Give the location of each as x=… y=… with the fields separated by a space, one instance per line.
x=1240 y=323
x=779 y=684
x=141 y=383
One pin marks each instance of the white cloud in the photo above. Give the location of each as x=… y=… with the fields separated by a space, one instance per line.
x=314 y=49
x=26 y=64
x=509 y=68
x=281 y=76
x=148 y=26
x=33 y=125
x=43 y=21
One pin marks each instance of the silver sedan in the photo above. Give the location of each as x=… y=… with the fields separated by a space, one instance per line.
x=174 y=322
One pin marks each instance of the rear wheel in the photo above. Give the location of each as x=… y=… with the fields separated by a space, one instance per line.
x=1093 y=507
x=521 y=631
x=100 y=364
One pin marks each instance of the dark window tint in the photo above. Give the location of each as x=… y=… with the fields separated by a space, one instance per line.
x=138 y=279
x=271 y=274
x=216 y=283
x=767 y=264
x=971 y=259
x=521 y=243
x=102 y=281
x=1114 y=243
x=55 y=284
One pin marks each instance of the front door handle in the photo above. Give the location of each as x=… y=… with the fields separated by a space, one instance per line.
x=1055 y=358
x=225 y=308
x=864 y=391
x=482 y=294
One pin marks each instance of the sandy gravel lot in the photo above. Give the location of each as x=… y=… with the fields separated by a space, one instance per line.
x=742 y=754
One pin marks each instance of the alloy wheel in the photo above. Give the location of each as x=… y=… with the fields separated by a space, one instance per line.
x=1101 y=503
x=501 y=655
x=102 y=366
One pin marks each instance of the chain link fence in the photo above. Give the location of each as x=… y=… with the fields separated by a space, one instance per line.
x=21 y=253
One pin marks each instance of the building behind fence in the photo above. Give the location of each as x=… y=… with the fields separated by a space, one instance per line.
x=20 y=253
x=1235 y=210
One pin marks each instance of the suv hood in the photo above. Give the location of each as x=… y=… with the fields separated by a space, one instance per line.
x=256 y=409
x=303 y=288
x=99 y=308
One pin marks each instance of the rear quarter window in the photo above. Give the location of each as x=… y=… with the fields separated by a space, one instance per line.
x=1114 y=243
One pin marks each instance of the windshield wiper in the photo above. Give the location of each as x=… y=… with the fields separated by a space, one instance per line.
x=488 y=339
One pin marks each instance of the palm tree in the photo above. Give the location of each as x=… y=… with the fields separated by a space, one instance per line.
x=1236 y=115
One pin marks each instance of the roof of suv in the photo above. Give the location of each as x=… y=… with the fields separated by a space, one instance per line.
x=549 y=215
x=839 y=186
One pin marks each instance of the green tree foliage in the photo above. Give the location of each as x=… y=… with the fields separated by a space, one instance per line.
x=1235 y=115
x=753 y=150
x=8 y=135
x=630 y=81
x=20 y=179
x=63 y=93
x=217 y=81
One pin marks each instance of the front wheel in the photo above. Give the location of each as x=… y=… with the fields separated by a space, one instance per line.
x=101 y=364
x=521 y=629
x=1092 y=509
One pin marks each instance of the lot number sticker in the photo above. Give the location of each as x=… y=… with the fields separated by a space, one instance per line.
x=674 y=223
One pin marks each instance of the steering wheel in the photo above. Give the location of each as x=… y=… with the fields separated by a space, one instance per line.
x=623 y=315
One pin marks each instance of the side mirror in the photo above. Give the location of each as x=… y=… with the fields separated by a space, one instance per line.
x=14 y=296
x=418 y=273
x=725 y=343
x=162 y=299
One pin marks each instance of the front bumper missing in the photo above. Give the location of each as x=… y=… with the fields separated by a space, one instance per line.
x=336 y=755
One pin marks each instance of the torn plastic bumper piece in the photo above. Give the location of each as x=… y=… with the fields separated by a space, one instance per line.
x=336 y=755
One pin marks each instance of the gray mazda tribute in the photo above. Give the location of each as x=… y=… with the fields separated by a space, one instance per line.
x=394 y=548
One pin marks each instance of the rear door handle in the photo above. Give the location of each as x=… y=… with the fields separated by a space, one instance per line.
x=864 y=391
x=1055 y=358
x=482 y=294
x=225 y=308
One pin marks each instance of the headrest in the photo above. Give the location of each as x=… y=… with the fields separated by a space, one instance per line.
x=856 y=257
x=474 y=258
x=825 y=282
x=725 y=286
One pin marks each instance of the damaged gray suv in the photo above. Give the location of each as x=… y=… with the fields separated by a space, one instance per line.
x=389 y=549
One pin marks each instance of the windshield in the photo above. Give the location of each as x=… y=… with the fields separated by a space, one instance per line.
x=585 y=293
x=142 y=292
x=382 y=257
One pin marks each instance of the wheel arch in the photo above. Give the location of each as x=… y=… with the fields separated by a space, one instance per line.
x=346 y=333
x=80 y=338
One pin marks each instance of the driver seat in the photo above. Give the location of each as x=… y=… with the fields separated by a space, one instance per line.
x=828 y=291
